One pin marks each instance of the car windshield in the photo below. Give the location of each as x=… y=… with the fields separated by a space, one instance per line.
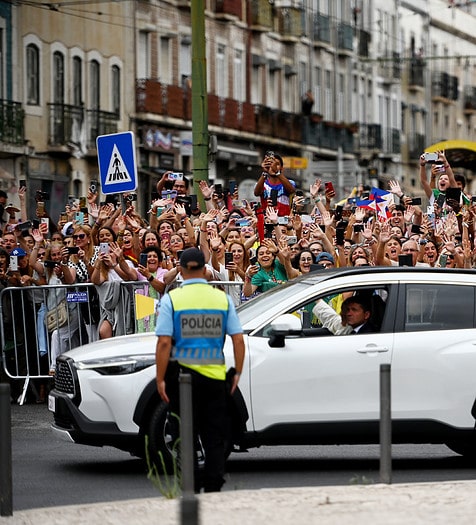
x=264 y=302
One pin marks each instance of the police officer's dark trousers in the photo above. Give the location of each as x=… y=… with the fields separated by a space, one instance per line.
x=211 y=423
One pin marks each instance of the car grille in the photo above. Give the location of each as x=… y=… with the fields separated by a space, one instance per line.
x=64 y=381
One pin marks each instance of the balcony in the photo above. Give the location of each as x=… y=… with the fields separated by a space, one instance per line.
x=444 y=86
x=158 y=98
x=73 y=126
x=364 y=43
x=261 y=15
x=416 y=145
x=345 y=37
x=370 y=137
x=469 y=99
x=229 y=9
x=391 y=141
x=390 y=68
x=416 y=73
x=290 y=22
x=322 y=28
x=66 y=124
x=327 y=135
x=100 y=123
x=12 y=123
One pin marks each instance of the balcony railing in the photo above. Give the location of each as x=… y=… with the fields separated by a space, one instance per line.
x=370 y=136
x=100 y=123
x=327 y=135
x=12 y=123
x=444 y=85
x=322 y=28
x=416 y=145
x=290 y=22
x=66 y=124
x=345 y=36
x=416 y=72
x=391 y=141
x=229 y=8
x=469 y=98
x=261 y=14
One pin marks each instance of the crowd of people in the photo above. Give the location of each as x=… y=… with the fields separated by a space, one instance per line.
x=252 y=246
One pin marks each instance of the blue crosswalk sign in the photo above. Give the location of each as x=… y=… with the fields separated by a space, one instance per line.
x=117 y=162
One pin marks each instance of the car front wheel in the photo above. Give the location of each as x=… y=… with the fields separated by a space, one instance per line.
x=163 y=438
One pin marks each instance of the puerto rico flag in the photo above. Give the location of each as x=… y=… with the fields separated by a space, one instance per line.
x=378 y=201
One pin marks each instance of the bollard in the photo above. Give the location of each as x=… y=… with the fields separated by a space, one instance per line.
x=6 y=506
x=189 y=502
x=385 y=425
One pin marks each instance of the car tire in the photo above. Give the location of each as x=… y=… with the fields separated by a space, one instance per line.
x=163 y=439
x=464 y=448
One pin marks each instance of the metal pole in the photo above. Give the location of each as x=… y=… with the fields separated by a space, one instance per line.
x=385 y=425
x=200 y=137
x=6 y=506
x=189 y=502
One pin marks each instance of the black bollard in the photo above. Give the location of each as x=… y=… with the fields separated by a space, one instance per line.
x=6 y=505
x=189 y=502
x=385 y=425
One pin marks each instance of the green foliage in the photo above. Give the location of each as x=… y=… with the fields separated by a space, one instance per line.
x=168 y=486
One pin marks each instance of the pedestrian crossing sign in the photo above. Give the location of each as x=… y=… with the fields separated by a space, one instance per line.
x=117 y=162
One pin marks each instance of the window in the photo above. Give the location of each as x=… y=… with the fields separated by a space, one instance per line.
x=164 y=60
x=94 y=84
x=238 y=76
x=185 y=60
x=33 y=74
x=438 y=307
x=58 y=78
x=2 y=61
x=143 y=55
x=116 y=90
x=77 y=81
x=221 y=73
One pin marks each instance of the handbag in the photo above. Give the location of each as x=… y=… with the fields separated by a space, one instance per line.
x=57 y=317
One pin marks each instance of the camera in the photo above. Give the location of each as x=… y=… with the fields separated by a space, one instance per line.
x=93 y=186
x=42 y=196
x=50 y=264
x=131 y=197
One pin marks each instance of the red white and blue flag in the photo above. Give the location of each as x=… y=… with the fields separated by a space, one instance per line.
x=379 y=201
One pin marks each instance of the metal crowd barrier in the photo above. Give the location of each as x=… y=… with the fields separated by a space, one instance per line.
x=28 y=350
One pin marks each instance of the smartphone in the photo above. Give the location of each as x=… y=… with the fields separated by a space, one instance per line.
x=169 y=194
x=45 y=220
x=268 y=231
x=104 y=247
x=338 y=212
x=329 y=186
x=228 y=258
x=64 y=217
x=283 y=220
x=219 y=190
x=176 y=176
x=473 y=199
x=405 y=259
x=253 y=260
x=73 y=250
x=50 y=264
x=193 y=202
x=40 y=206
x=22 y=183
x=416 y=201
x=431 y=158
x=22 y=226
x=179 y=254
x=443 y=260
x=292 y=239
x=416 y=228
x=358 y=228
x=13 y=263
x=340 y=234
x=440 y=201
x=274 y=197
x=82 y=202
x=93 y=186
x=79 y=217
x=242 y=222
x=232 y=185
x=165 y=236
x=143 y=259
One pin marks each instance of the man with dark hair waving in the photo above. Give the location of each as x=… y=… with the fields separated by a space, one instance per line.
x=194 y=319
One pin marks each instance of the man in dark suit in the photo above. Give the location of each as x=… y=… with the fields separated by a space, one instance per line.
x=357 y=311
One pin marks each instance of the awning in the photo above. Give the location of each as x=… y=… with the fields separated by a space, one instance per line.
x=227 y=152
x=460 y=153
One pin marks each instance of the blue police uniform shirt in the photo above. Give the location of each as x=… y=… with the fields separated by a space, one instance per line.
x=165 y=320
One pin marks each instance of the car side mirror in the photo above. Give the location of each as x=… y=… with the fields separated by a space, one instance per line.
x=282 y=326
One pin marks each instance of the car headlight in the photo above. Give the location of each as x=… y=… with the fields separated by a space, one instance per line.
x=114 y=366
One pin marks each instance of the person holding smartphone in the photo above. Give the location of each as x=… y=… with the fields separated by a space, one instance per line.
x=273 y=183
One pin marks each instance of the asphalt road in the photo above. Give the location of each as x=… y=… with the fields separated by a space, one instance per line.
x=48 y=471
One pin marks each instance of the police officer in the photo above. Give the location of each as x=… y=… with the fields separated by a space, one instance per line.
x=197 y=317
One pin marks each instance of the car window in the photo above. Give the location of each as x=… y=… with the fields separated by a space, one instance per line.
x=314 y=325
x=438 y=307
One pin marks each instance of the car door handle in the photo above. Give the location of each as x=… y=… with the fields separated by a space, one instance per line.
x=372 y=349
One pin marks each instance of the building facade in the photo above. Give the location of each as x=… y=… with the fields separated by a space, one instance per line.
x=387 y=79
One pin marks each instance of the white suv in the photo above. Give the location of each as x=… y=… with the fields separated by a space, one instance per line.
x=301 y=384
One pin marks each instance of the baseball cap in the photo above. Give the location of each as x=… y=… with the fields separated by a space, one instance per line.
x=192 y=259
x=18 y=252
x=324 y=256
